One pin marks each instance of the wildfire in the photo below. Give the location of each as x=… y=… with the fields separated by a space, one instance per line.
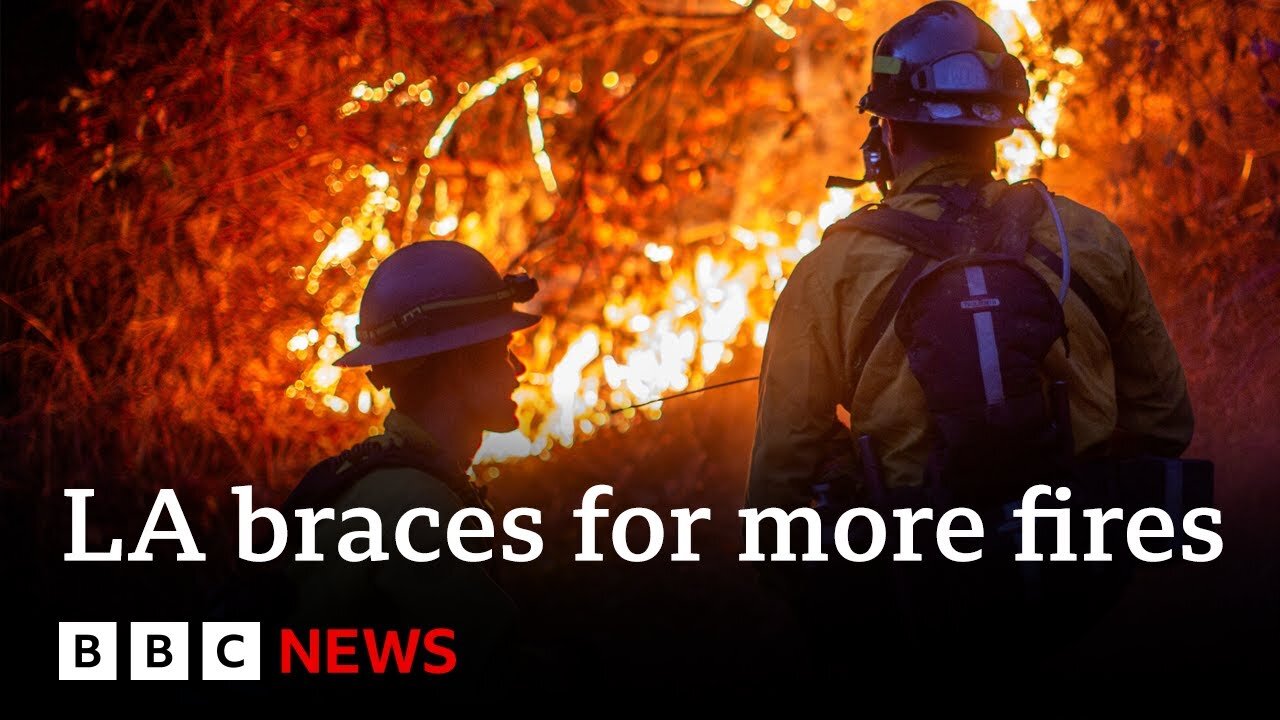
x=1049 y=72
x=712 y=302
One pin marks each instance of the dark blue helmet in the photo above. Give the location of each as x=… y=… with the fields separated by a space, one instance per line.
x=943 y=65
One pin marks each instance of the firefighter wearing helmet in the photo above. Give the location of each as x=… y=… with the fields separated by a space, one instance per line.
x=980 y=336
x=436 y=320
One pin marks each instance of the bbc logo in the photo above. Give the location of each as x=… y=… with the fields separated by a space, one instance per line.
x=159 y=650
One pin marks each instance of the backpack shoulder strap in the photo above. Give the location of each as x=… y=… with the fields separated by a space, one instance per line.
x=328 y=480
x=265 y=590
x=899 y=227
x=928 y=239
x=1025 y=205
x=884 y=316
x=933 y=238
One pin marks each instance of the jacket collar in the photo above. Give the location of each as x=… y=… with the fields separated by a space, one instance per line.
x=938 y=171
x=404 y=432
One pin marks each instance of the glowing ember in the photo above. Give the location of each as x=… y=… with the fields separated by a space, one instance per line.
x=703 y=302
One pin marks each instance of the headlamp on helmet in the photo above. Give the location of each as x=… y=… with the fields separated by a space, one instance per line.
x=516 y=289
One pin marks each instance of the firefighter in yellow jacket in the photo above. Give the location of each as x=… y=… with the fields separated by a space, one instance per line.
x=1128 y=394
x=943 y=90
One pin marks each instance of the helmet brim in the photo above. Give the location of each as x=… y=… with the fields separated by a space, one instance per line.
x=416 y=346
x=959 y=112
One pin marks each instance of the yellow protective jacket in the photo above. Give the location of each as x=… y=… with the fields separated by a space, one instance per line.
x=444 y=592
x=1125 y=383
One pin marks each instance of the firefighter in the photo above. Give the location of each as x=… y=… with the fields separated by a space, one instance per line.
x=943 y=90
x=435 y=324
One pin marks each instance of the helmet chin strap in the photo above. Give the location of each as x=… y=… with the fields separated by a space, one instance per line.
x=875 y=160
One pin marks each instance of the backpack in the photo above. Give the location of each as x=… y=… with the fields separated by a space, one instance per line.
x=264 y=591
x=976 y=322
x=976 y=327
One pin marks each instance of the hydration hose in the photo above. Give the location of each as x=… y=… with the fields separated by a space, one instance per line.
x=1062 y=235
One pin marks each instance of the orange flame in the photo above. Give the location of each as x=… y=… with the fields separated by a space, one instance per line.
x=714 y=300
